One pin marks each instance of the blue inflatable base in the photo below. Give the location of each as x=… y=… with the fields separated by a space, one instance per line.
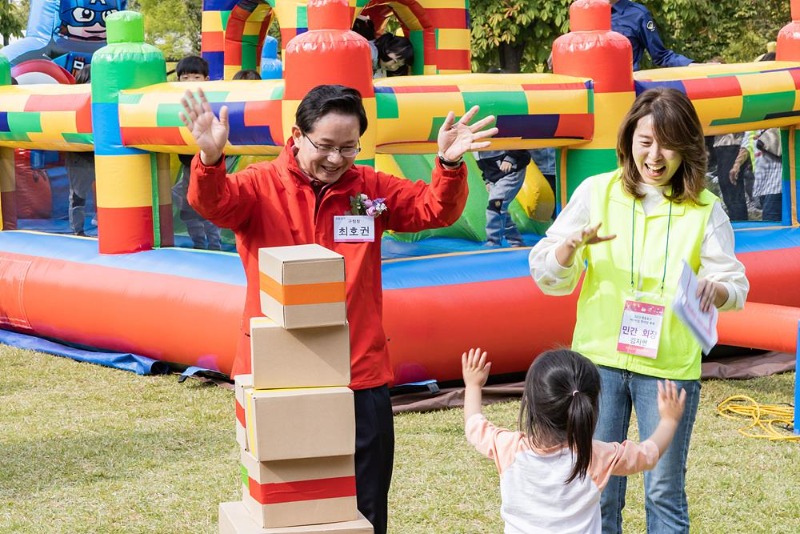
x=141 y=365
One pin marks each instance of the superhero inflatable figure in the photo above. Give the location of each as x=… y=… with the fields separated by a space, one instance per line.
x=84 y=21
x=65 y=31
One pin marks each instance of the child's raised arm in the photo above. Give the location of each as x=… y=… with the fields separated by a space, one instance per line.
x=670 y=408
x=475 y=370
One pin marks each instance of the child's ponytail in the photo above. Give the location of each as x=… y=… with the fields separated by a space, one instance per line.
x=581 y=421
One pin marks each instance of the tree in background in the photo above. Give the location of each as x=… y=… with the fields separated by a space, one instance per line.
x=518 y=34
x=171 y=25
x=13 y=20
x=734 y=30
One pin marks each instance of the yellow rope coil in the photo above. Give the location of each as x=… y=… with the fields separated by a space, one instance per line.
x=768 y=421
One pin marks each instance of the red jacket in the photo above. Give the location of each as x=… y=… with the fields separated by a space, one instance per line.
x=272 y=204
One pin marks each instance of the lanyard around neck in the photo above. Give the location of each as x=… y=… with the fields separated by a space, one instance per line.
x=666 y=246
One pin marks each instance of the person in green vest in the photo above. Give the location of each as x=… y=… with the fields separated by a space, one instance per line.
x=655 y=214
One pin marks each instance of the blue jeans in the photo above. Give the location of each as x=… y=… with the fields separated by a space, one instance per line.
x=666 y=507
x=771 y=207
x=499 y=223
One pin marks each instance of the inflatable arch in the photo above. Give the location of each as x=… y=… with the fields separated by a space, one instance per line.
x=128 y=291
x=233 y=31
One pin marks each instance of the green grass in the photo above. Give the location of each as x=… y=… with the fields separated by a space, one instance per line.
x=85 y=449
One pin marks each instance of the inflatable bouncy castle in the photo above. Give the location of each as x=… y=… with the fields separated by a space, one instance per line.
x=130 y=291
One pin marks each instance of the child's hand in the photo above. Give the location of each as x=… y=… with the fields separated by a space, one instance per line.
x=475 y=368
x=670 y=403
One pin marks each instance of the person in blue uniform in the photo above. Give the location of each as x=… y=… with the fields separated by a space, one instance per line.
x=634 y=21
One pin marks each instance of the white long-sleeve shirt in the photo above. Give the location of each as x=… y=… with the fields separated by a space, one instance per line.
x=535 y=498
x=717 y=259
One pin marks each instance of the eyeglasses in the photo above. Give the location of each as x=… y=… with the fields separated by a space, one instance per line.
x=327 y=150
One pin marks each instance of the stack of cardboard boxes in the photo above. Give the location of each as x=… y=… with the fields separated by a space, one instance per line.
x=294 y=414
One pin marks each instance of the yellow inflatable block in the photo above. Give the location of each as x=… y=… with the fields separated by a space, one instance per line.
x=536 y=197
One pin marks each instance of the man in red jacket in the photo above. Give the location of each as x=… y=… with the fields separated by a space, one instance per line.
x=298 y=198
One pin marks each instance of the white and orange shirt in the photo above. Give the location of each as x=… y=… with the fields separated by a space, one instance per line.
x=535 y=498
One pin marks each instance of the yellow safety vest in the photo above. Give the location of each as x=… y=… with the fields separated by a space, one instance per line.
x=607 y=284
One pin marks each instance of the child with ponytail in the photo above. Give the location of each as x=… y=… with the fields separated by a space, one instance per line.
x=552 y=471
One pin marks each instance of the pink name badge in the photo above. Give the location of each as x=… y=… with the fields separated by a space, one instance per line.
x=641 y=329
x=353 y=228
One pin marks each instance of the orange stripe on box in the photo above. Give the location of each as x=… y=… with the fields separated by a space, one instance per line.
x=293 y=295
x=302 y=490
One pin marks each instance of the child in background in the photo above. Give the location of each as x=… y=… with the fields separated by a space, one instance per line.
x=392 y=55
x=552 y=472
x=247 y=74
x=503 y=174
x=204 y=234
x=80 y=173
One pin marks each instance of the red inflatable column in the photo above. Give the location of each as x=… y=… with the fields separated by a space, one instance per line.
x=329 y=53
x=789 y=37
x=592 y=50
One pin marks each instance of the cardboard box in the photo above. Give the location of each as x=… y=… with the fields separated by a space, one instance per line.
x=241 y=383
x=234 y=519
x=299 y=358
x=288 y=424
x=302 y=286
x=299 y=492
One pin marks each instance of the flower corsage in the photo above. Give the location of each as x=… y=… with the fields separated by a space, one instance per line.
x=361 y=204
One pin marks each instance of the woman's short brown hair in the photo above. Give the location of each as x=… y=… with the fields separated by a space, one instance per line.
x=675 y=127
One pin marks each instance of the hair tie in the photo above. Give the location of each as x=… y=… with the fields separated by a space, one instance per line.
x=574 y=392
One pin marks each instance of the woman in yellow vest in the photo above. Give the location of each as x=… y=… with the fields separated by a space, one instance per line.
x=655 y=215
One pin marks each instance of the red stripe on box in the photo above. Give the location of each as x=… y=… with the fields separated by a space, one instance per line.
x=712 y=87
x=144 y=135
x=303 y=490
x=240 y=414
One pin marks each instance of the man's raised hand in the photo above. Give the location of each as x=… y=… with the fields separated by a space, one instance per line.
x=209 y=132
